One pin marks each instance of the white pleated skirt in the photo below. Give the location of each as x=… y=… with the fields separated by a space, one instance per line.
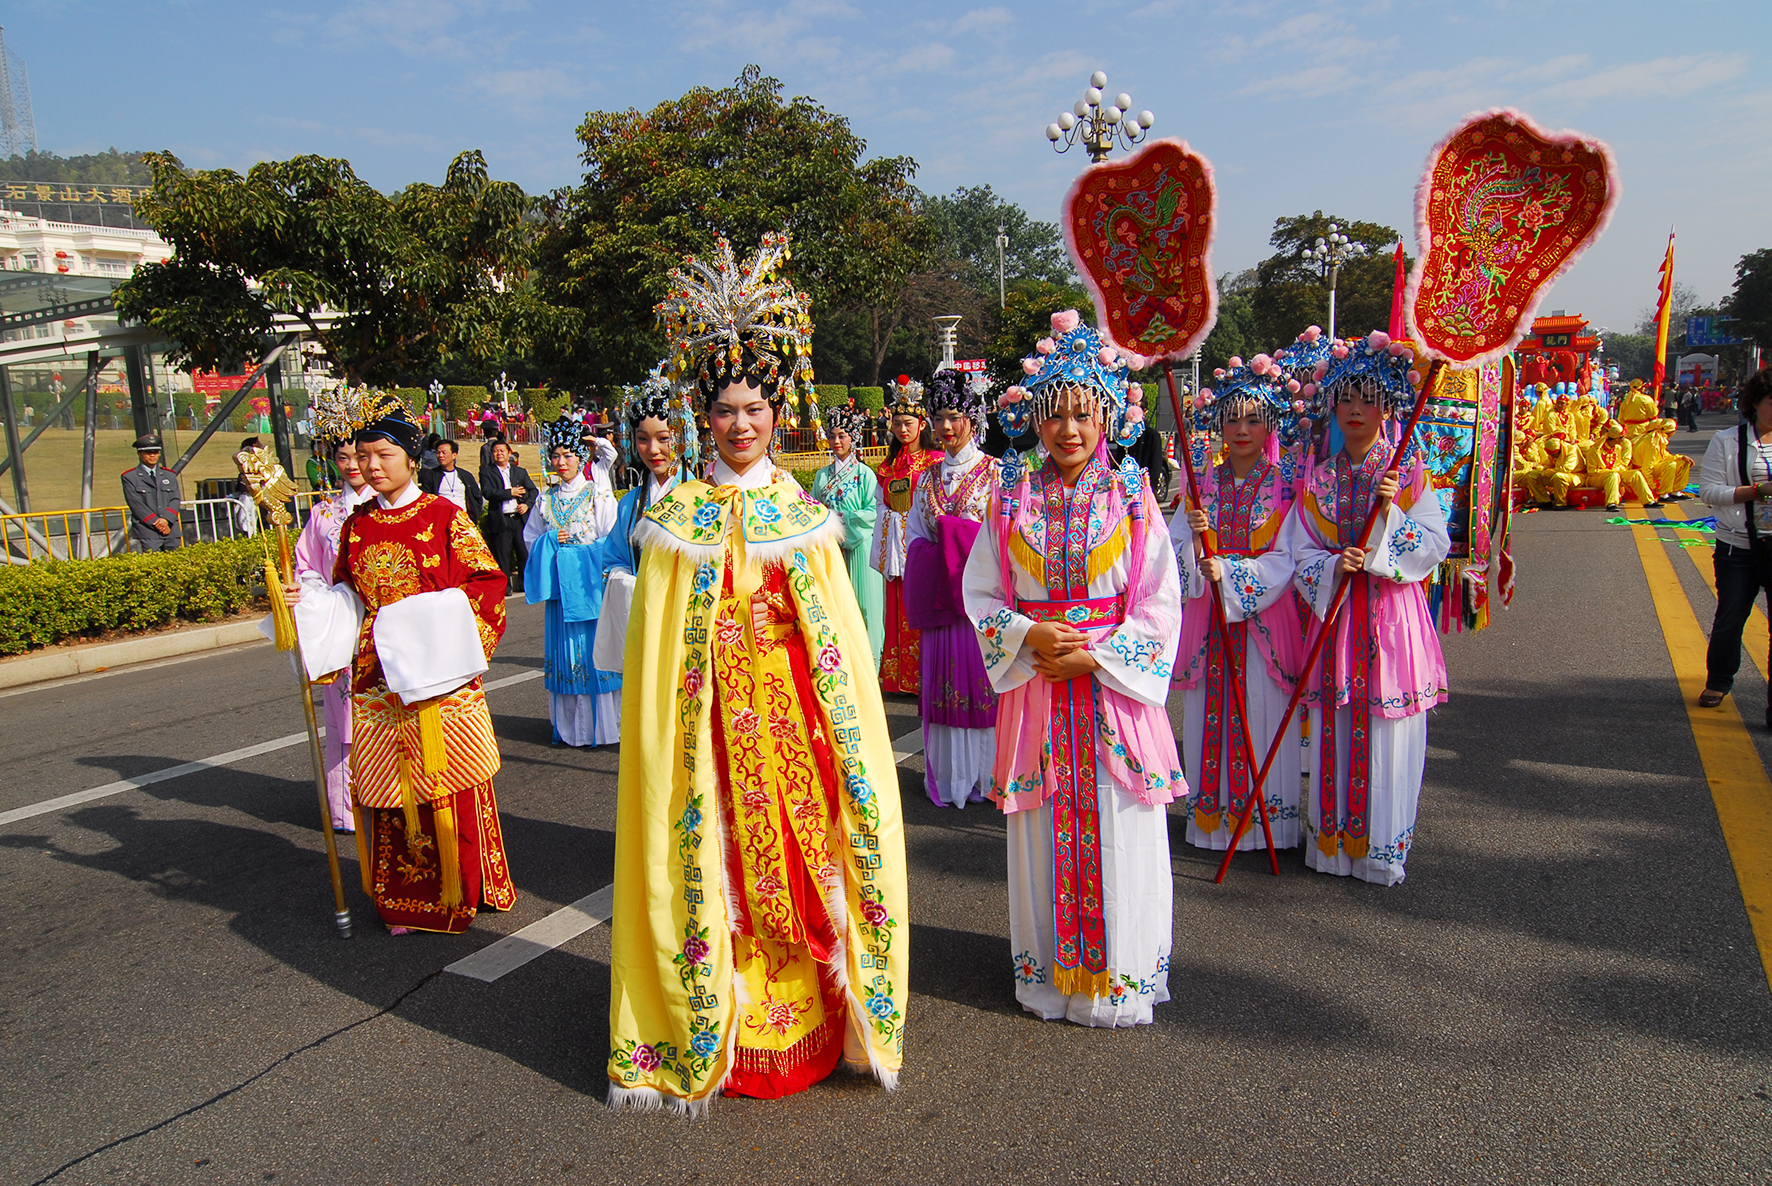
x=1138 y=893
x=1266 y=705
x=957 y=763
x=1399 y=759
x=588 y=719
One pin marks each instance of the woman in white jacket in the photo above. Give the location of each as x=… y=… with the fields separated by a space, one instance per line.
x=1739 y=489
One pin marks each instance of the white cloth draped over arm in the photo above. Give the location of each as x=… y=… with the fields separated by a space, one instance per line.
x=920 y=524
x=328 y=619
x=429 y=644
x=536 y=525
x=1187 y=563
x=1138 y=658
x=1407 y=546
x=1001 y=630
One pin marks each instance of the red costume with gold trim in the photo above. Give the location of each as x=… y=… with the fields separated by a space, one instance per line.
x=901 y=660
x=430 y=845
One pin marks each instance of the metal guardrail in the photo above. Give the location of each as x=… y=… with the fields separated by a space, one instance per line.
x=104 y=531
x=65 y=535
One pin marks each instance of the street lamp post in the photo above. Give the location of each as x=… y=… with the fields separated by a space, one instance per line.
x=947 y=335
x=1333 y=251
x=1002 y=246
x=1098 y=125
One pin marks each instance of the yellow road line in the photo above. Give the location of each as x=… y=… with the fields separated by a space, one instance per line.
x=1738 y=783
x=1753 y=635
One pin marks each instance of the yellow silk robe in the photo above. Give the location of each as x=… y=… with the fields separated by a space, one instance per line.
x=683 y=980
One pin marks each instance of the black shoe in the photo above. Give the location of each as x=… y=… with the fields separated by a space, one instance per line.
x=1652 y=506
x=1612 y=506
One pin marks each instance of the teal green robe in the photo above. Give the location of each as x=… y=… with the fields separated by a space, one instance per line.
x=852 y=497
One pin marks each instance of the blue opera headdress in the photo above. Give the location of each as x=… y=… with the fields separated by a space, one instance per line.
x=656 y=397
x=565 y=433
x=1074 y=358
x=1261 y=384
x=1373 y=364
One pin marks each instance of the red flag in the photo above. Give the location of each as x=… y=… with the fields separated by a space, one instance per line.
x=1397 y=285
x=1663 y=311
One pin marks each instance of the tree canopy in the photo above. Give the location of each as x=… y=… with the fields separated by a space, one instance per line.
x=1292 y=290
x=109 y=167
x=386 y=286
x=1750 y=303
x=737 y=161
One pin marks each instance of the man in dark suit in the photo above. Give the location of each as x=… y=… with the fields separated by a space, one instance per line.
x=152 y=495
x=450 y=481
x=509 y=493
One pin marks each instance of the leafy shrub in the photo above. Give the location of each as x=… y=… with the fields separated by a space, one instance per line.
x=50 y=601
x=871 y=398
x=832 y=395
x=547 y=404
x=414 y=398
x=464 y=402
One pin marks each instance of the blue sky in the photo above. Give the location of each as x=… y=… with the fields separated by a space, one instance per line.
x=1300 y=106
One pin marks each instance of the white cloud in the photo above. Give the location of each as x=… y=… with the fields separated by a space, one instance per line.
x=982 y=19
x=934 y=56
x=1663 y=78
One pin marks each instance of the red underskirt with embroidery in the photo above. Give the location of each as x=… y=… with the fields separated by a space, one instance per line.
x=901 y=656
x=407 y=885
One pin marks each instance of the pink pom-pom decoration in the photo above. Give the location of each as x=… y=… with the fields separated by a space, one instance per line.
x=1396 y=349
x=1292 y=386
x=1106 y=356
x=1414 y=378
x=1260 y=364
x=1030 y=366
x=1309 y=391
x=1297 y=406
x=1135 y=414
x=1377 y=340
x=1318 y=371
x=1219 y=373
x=1045 y=345
x=1339 y=350
x=1235 y=362
x=1064 y=321
x=1311 y=334
x=1134 y=393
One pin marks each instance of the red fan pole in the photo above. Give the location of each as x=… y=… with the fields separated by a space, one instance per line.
x=1219 y=624
x=1329 y=622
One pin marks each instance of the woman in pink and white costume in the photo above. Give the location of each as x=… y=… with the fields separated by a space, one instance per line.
x=1382 y=669
x=1245 y=501
x=316 y=551
x=1073 y=591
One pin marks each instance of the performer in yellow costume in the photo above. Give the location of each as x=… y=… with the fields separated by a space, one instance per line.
x=1607 y=460
x=1636 y=409
x=759 y=933
x=1551 y=481
x=1667 y=473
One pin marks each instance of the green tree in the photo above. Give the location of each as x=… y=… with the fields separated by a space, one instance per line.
x=738 y=161
x=100 y=168
x=386 y=286
x=966 y=224
x=1292 y=289
x=1750 y=302
x=1233 y=334
x=1632 y=354
x=1027 y=317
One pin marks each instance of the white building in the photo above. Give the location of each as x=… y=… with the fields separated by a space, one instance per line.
x=30 y=244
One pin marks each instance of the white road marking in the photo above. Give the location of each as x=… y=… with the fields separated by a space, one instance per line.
x=569 y=922
x=184 y=768
x=536 y=939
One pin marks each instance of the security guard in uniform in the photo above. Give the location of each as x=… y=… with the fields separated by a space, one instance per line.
x=152 y=495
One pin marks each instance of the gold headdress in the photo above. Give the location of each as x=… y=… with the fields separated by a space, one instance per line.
x=729 y=324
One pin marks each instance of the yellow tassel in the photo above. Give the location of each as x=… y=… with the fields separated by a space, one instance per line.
x=282 y=617
x=409 y=802
x=359 y=816
x=1107 y=552
x=1355 y=846
x=448 y=854
x=430 y=739
x=1328 y=843
x=1072 y=981
x=1033 y=563
x=1207 y=823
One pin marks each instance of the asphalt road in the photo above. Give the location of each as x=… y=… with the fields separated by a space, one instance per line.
x=1565 y=989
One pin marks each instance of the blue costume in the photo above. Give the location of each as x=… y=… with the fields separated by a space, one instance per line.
x=584 y=704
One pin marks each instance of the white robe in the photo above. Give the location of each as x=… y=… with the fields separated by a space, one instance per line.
x=1136 y=876
x=590 y=718
x=956 y=762
x=1249 y=585
x=1398 y=747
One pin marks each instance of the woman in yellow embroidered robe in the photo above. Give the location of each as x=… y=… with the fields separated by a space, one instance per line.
x=759 y=914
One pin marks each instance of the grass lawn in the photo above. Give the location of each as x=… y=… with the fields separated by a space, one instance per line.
x=52 y=465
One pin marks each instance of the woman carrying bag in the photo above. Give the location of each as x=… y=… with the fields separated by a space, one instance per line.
x=1736 y=480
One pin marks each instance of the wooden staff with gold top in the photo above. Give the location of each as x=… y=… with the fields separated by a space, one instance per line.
x=272 y=489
